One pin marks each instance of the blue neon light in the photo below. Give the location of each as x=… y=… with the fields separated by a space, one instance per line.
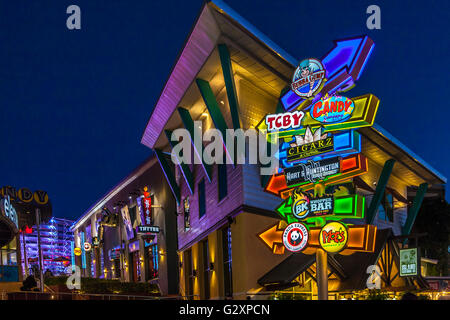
x=72 y=255
x=345 y=143
x=83 y=252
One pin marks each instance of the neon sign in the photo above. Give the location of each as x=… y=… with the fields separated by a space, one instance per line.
x=363 y=115
x=344 y=143
x=146 y=207
x=286 y=120
x=333 y=237
x=350 y=167
x=312 y=171
x=308 y=78
x=361 y=238
x=310 y=149
x=295 y=237
x=9 y=212
x=334 y=109
x=343 y=65
x=301 y=206
x=147 y=230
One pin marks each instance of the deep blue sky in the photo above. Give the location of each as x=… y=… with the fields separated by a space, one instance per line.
x=74 y=104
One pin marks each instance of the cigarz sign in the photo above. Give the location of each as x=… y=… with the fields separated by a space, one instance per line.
x=310 y=149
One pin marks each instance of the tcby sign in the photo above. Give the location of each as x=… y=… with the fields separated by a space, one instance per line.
x=332 y=110
x=286 y=120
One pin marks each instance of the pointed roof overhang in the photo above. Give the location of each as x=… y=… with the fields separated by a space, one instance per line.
x=219 y=23
x=216 y=22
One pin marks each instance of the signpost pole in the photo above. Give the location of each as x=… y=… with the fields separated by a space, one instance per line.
x=321 y=256
x=41 y=274
x=322 y=274
x=25 y=259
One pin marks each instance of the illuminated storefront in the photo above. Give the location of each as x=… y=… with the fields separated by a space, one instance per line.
x=18 y=207
x=130 y=233
x=358 y=186
x=56 y=238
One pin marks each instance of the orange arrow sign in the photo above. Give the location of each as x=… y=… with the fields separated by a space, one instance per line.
x=272 y=237
x=351 y=166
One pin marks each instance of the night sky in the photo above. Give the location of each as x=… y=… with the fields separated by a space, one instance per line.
x=74 y=103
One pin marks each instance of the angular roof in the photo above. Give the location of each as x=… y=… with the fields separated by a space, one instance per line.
x=125 y=182
x=219 y=23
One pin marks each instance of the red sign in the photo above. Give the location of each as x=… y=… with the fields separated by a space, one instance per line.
x=146 y=208
x=285 y=120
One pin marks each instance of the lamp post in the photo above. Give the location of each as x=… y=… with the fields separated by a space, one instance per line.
x=41 y=274
x=321 y=256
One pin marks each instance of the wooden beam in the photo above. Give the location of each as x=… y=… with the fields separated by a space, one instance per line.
x=169 y=174
x=379 y=191
x=184 y=167
x=214 y=111
x=279 y=109
x=189 y=126
x=414 y=210
x=228 y=76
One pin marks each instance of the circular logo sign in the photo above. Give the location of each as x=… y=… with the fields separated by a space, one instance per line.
x=295 y=237
x=77 y=251
x=335 y=109
x=300 y=206
x=308 y=78
x=333 y=237
x=87 y=246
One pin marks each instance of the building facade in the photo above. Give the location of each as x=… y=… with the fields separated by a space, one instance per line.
x=230 y=76
x=56 y=238
x=131 y=232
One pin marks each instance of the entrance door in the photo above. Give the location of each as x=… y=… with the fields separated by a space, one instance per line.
x=134 y=257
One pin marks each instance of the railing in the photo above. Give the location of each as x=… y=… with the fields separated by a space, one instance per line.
x=30 y=295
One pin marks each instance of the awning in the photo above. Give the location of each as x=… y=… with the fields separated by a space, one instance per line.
x=350 y=269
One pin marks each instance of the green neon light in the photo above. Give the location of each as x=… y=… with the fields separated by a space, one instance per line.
x=345 y=207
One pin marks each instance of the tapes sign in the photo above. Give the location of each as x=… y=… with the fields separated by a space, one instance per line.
x=149 y=230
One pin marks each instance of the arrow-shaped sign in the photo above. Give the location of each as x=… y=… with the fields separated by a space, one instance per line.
x=272 y=237
x=361 y=238
x=343 y=64
x=351 y=166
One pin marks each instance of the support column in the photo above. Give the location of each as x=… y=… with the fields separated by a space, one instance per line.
x=321 y=256
x=19 y=256
x=144 y=263
x=96 y=251
x=322 y=274
x=41 y=272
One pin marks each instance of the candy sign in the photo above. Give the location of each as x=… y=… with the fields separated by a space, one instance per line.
x=332 y=110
